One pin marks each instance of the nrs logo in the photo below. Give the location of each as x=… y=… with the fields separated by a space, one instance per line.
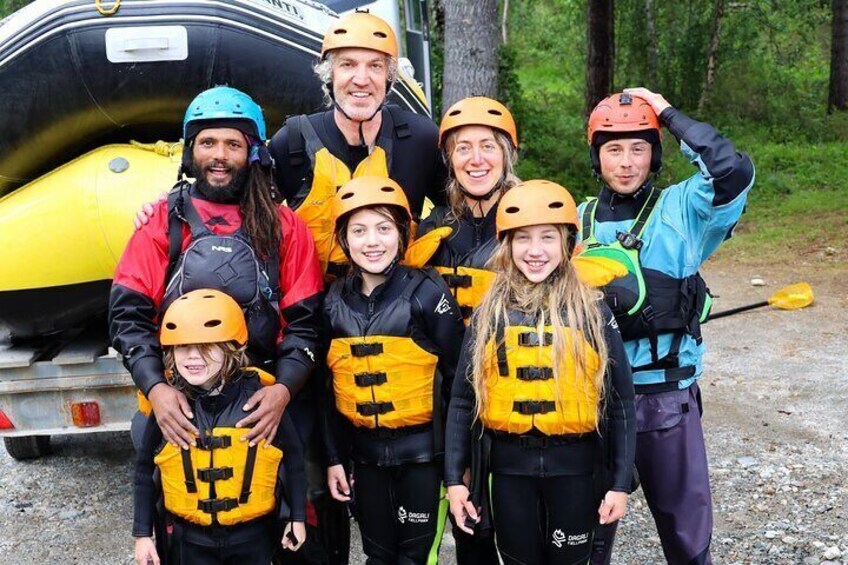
x=222 y=248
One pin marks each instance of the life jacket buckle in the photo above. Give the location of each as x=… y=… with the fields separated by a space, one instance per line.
x=210 y=474
x=458 y=281
x=533 y=442
x=375 y=408
x=532 y=407
x=370 y=379
x=210 y=442
x=531 y=339
x=366 y=349
x=629 y=240
x=534 y=373
x=214 y=505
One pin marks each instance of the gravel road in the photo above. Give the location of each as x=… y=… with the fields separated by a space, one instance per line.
x=776 y=421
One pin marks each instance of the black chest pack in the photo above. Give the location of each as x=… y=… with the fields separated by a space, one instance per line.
x=227 y=263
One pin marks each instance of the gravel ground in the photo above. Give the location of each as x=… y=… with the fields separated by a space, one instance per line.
x=775 y=418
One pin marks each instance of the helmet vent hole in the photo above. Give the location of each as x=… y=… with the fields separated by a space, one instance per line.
x=455 y=113
x=346 y=195
x=380 y=34
x=513 y=210
x=212 y=324
x=207 y=296
x=340 y=32
x=555 y=205
x=171 y=326
x=496 y=112
x=387 y=189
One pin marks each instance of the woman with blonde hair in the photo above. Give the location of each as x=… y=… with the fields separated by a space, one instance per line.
x=542 y=370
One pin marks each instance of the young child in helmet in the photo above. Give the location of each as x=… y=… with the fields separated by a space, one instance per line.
x=395 y=334
x=542 y=369
x=228 y=499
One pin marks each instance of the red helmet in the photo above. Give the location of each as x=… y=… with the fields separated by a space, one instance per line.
x=620 y=113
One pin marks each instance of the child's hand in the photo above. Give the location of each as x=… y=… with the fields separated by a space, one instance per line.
x=145 y=552
x=462 y=508
x=337 y=483
x=294 y=536
x=613 y=507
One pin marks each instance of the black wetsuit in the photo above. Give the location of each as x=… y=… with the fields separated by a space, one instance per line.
x=250 y=542
x=397 y=472
x=544 y=507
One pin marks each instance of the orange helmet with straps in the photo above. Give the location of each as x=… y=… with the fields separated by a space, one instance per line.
x=203 y=316
x=533 y=203
x=361 y=30
x=478 y=111
x=621 y=113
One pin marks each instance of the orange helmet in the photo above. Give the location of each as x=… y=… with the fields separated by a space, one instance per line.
x=364 y=192
x=361 y=30
x=203 y=316
x=622 y=112
x=533 y=203
x=478 y=111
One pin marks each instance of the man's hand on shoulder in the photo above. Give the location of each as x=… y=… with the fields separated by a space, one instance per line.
x=272 y=402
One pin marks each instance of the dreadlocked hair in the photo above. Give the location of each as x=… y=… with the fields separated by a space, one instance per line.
x=561 y=301
x=260 y=211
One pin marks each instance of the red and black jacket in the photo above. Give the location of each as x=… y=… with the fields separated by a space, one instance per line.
x=139 y=285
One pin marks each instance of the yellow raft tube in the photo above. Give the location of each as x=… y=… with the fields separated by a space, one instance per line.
x=61 y=235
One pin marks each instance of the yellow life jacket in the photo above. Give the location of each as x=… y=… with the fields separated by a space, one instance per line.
x=243 y=478
x=329 y=173
x=521 y=393
x=381 y=376
x=468 y=284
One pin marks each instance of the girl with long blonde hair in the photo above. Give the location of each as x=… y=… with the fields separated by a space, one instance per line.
x=543 y=371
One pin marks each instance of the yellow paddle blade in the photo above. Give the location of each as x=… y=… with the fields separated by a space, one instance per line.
x=792 y=297
x=424 y=247
x=597 y=271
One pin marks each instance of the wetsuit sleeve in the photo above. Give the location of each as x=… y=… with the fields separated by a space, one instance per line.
x=620 y=408
x=438 y=314
x=137 y=290
x=437 y=193
x=301 y=285
x=287 y=177
x=294 y=473
x=724 y=174
x=460 y=417
x=144 y=489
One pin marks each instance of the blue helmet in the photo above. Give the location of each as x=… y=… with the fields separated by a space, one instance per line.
x=223 y=106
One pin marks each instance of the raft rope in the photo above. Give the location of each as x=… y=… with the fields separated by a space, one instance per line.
x=163 y=148
x=107 y=11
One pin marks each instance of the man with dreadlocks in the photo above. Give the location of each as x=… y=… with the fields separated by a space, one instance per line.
x=225 y=231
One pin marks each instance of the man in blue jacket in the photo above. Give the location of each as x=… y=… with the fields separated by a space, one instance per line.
x=663 y=236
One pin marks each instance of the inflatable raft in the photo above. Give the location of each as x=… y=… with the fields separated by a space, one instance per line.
x=78 y=85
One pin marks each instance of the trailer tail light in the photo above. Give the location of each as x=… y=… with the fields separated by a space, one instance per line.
x=5 y=422
x=85 y=414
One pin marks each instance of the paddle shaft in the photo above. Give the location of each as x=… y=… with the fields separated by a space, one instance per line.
x=733 y=311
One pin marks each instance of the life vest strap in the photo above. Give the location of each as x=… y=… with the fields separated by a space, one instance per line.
x=532 y=441
x=375 y=408
x=457 y=281
x=248 y=474
x=532 y=407
x=188 y=471
x=370 y=379
x=531 y=339
x=534 y=373
x=211 y=474
x=210 y=442
x=215 y=505
x=366 y=349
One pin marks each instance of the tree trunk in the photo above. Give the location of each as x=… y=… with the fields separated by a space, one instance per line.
x=712 y=56
x=837 y=98
x=651 y=24
x=601 y=51
x=472 y=38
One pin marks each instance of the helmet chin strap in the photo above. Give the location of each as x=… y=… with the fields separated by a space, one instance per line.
x=361 y=123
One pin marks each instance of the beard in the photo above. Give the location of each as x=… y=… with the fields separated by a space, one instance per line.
x=229 y=193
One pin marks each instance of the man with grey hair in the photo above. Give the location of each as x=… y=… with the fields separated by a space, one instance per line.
x=358 y=135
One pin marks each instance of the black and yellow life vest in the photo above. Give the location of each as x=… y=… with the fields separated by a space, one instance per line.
x=222 y=480
x=464 y=272
x=647 y=302
x=382 y=377
x=521 y=394
x=329 y=173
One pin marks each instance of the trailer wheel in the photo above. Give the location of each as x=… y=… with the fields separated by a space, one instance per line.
x=27 y=447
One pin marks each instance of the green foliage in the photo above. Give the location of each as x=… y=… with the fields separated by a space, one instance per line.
x=9 y=6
